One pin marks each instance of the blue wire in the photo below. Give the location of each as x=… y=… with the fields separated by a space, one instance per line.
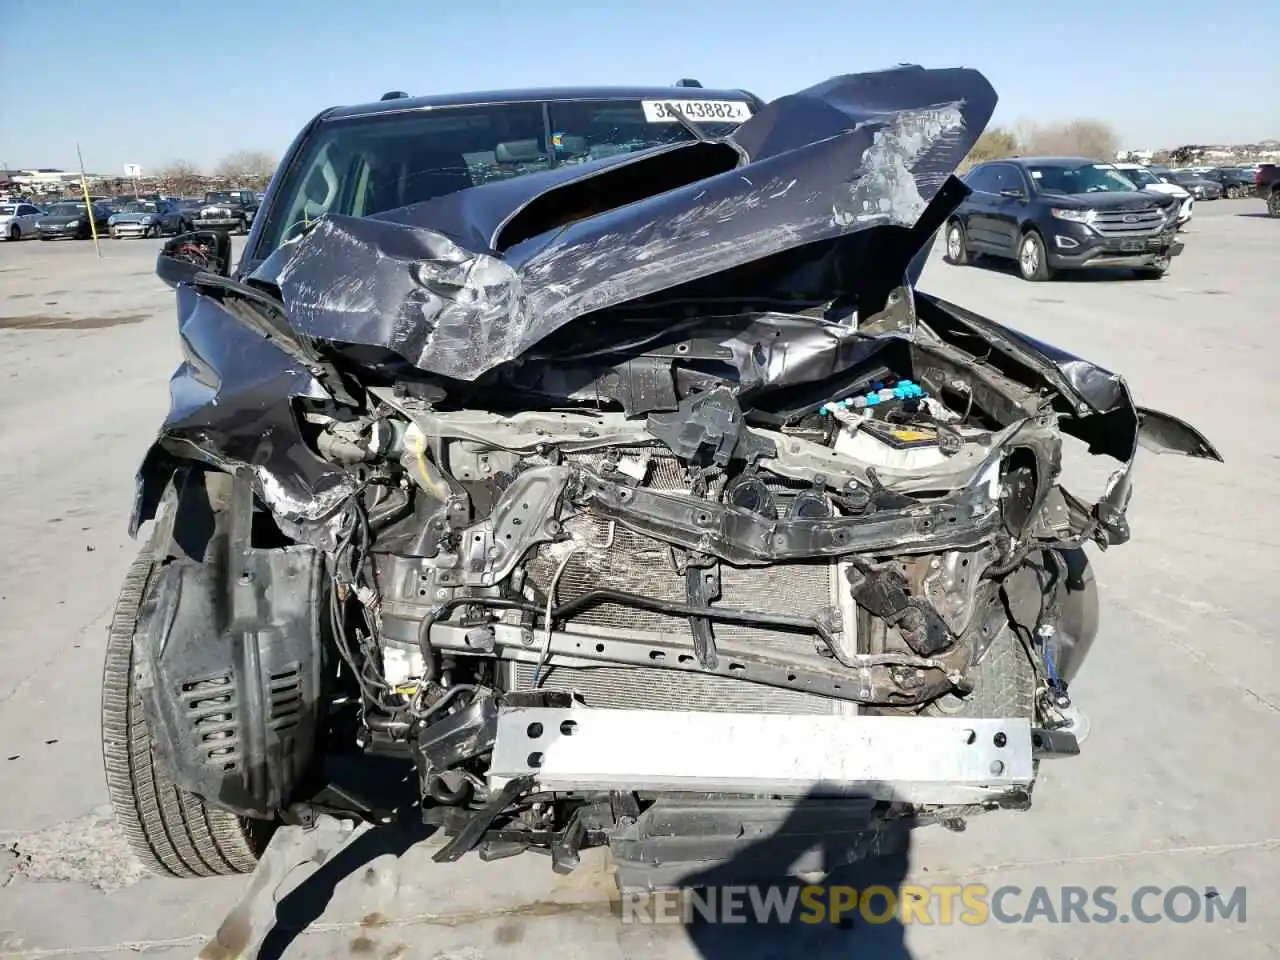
x=1053 y=670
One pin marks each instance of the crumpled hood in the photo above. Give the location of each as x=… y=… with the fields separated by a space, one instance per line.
x=455 y=287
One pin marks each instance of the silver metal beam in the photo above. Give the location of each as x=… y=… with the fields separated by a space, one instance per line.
x=910 y=759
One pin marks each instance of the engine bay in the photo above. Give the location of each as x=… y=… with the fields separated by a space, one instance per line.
x=848 y=555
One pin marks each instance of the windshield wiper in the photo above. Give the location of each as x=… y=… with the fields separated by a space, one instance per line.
x=703 y=137
x=698 y=133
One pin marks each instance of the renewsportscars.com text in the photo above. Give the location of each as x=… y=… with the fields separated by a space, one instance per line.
x=942 y=904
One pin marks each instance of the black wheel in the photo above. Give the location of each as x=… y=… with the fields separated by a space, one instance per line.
x=242 y=227
x=14 y=232
x=1033 y=261
x=957 y=244
x=173 y=832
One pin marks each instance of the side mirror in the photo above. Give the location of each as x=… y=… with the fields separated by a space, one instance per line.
x=1013 y=193
x=202 y=251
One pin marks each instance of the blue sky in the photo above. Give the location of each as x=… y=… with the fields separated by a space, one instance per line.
x=148 y=81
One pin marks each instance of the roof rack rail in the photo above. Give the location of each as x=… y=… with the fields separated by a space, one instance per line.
x=393 y=95
x=687 y=82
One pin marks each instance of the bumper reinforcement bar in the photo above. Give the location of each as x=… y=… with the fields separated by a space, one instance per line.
x=940 y=760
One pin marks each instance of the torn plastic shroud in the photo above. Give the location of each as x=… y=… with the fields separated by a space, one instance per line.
x=836 y=195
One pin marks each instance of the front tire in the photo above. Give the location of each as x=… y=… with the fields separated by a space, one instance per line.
x=1033 y=261
x=15 y=233
x=957 y=244
x=173 y=832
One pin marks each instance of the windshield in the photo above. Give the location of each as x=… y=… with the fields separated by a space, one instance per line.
x=7 y=210
x=365 y=165
x=221 y=197
x=136 y=206
x=66 y=210
x=1087 y=178
x=1141 y=177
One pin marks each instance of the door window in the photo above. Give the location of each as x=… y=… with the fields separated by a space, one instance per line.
x=1006 y=177
x=980 y=179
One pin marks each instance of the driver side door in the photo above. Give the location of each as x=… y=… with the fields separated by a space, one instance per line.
x=978 y=208
x=1009 y=205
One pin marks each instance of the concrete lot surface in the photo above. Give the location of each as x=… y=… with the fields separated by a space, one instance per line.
x=1176 y=787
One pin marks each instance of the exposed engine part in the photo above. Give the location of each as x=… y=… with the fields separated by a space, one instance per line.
x=358 y=441
x=709 y=428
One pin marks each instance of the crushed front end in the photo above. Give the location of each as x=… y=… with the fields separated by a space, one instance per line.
x=657 y=558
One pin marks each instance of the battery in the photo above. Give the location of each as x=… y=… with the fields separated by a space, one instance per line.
x=901 y=436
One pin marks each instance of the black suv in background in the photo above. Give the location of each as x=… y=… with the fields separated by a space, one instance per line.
x=1062 y=213
x=1234 y=181
x=228 y=209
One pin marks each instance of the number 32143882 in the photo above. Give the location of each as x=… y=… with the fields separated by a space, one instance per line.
x=715 y=111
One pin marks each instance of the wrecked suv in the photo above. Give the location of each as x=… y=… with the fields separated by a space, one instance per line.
x=594 y=452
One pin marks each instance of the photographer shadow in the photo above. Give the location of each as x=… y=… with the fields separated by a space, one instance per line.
x=763 y=901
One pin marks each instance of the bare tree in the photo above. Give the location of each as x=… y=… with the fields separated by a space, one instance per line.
x=179 y=177
x=1024 y=131
x=247 y=168
x=992 y=145
x=1084 y=137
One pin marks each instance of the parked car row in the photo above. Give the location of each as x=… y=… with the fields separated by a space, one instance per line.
x=1051 y=214
x=121 y=217
x=1236 y=182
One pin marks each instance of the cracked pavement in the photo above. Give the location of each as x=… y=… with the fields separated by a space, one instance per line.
x=1175 y=785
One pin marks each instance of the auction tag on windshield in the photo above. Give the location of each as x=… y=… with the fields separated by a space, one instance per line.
x=699 y=111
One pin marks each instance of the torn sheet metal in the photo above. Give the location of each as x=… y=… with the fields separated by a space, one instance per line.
x=852 y=154
x=231 y=404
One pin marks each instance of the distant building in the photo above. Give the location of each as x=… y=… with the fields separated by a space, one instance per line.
x=44 y=180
